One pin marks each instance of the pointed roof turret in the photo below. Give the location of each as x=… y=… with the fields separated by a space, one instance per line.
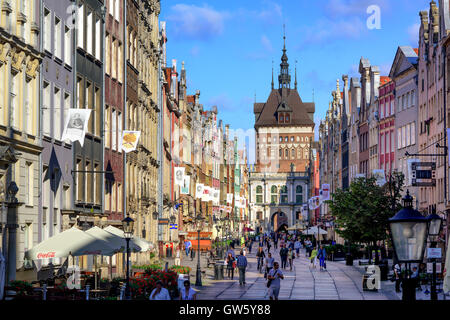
x=284 y=78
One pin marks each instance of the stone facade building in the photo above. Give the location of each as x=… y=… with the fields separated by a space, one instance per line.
x=284 y=132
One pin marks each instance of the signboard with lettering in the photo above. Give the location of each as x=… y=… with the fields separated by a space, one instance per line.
x=423 y=174
x=430 y=267
x=434 y=253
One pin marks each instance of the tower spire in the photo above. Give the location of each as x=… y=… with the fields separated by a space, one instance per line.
x=284 y=78
x=295 y=74
x=272 y=74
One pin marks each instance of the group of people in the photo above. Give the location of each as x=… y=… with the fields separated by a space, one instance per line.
x=415 y=274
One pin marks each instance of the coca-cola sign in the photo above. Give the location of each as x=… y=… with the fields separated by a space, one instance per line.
x=46 y=255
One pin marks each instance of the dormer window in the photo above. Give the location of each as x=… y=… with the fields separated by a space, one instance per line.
x=281 y=118
x=287 y=119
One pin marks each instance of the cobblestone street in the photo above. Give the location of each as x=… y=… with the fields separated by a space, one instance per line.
x=338 y=282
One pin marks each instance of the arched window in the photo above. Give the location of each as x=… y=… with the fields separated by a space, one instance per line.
x=286 y=153
x=293 y=154
x=299 y=194
x=287 y=118
x=259 y=195
x=274 y=194
x=281 y=118
x=284 y=194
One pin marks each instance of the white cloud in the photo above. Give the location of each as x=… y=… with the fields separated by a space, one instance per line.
x=196 y=23
x=266 y=43
x=326 y=29
x=413 y=32
x=345 y=8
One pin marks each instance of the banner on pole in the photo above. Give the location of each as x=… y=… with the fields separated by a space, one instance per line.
x=380 y=176
x=199 y=190
x=186 y=185
x=76 y=125
x=325 y=192
x=179 y=176
x=129 y=141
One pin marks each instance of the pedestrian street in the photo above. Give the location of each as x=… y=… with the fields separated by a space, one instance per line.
x=338 y=282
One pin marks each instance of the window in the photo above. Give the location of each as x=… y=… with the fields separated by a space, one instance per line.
x=408 y=135
x=413 y=133
x=88 y=183
x=80 y=26
x=58 y=38
x=108 y=54
x=90 y=105
x=80 y=91
x=114 y=130
x=29 y=127
x=119 y=197
x=298 y=194
x=392 y=141
x=403 y=136
x=287 y=118
x=114 y=59
x=259 y=195
x=382 y=151
x=67 y=46
x=113 y=197
x=284 y=194
x=293 y=153
x=90 y=32
x=281 y=118
x=399 y=138
x=57 y=114
x=30 y=184
x=286 y=139
x=120 y=63
x=97 y=112
x=47 y=30
x=119 y=127
x=79 y=191
x=116 y=9
x=286 y=154
x=107 y=195
x=98 y=185
x=46 y=109
x=274 y=194
x=98 y=39
x=382 y=111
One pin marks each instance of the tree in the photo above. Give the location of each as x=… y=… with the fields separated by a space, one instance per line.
x=362 y=212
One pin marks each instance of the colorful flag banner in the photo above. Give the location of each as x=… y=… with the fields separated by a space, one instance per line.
x=216 y=196
x=380 y=176
x=76 y=125
x=186 y=185
x=199 y=190
x=206 y=194
x=179 y=176
x=129 y=141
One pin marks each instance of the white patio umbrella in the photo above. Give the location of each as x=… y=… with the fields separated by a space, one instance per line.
x=314 y=231
x=72 y=242
x=113 y=240
x=143 y=244
x=2 y=275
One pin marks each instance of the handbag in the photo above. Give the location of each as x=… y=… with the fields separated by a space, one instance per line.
x=269 y=282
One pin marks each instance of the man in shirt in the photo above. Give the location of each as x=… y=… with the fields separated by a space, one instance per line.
x=274 y=277
x=159 y=293
x=283 y=256
x=269 y=263
x=242 y=265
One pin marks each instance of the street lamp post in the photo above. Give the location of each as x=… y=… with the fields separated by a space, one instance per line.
x=434 y=228
x=409 y=232
x=198 y=280
x=128 y=225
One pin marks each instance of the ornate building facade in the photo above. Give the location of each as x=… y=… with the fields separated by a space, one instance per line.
x=284 y=132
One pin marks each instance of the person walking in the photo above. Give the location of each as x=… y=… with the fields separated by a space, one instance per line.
x=187 y=247
x=275 y=241
x=250 y=246
x=188 y=293
x=192 y=253
x=398 y=276
x=269 y=264
x=260 y=255
x=273 y=281
x=268 y=245
x=297 y=247
x=313 y=258
x=291 y=257
x=178 y=257
x=322 y=254
x=159 y=293
x=242 y=265
x=283 y=256
x=230 y=266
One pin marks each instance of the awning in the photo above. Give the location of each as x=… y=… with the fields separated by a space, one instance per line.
x=113 y=240
x=144 y=244
x=70 y=242
x=314 y=231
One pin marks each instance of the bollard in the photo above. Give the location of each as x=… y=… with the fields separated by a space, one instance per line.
x=44 y=292
x=87 y=291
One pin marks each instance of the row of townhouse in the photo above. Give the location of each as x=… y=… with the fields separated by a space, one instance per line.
x=110 y=57
x=382 y=123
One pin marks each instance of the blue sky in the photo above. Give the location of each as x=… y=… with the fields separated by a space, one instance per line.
x=228 y=46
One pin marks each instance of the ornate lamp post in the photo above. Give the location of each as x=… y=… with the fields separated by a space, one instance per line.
x=434 y=228
x=199 y=223
x=409 y=233
x=128 y=225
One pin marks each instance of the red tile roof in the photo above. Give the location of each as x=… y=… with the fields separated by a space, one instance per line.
x=416 y=50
